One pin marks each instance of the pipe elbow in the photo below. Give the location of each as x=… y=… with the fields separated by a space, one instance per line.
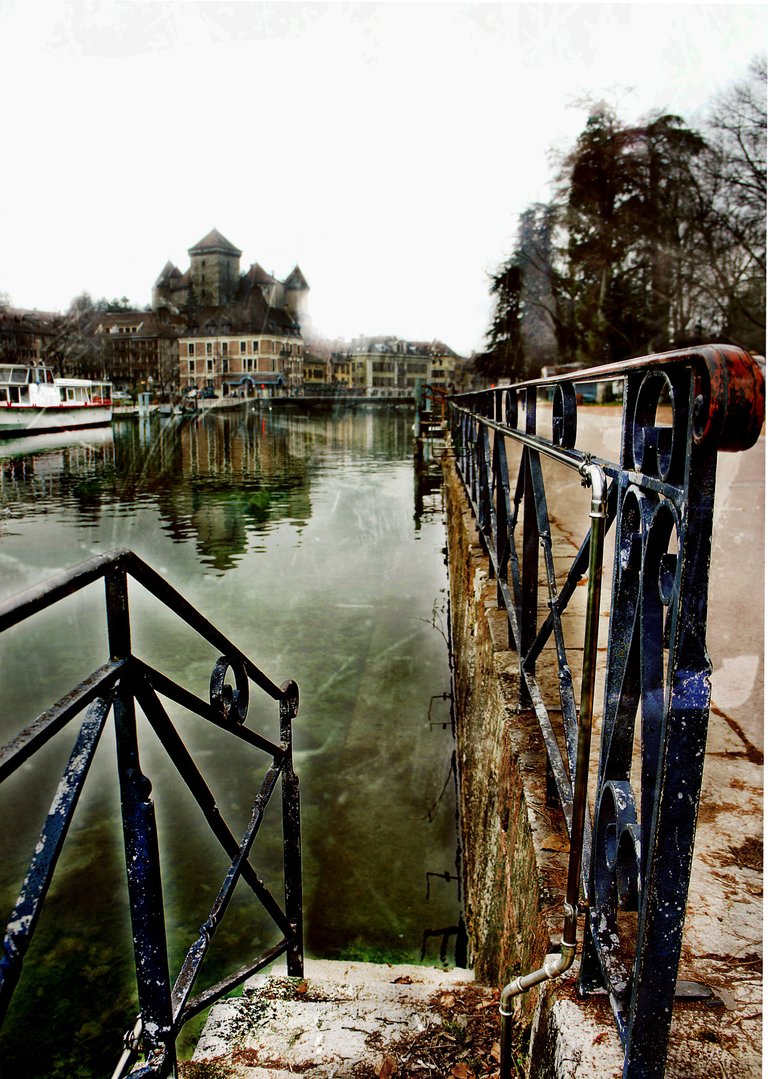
x=594 y=477
x=553 y=967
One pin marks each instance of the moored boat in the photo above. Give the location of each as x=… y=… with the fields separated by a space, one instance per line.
x=33 y=401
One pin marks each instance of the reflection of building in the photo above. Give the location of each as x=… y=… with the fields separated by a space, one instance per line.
x=243 y=331
x=232 y=481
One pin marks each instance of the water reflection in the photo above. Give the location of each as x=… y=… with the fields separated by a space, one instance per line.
x=218 y=480
x=309 y=541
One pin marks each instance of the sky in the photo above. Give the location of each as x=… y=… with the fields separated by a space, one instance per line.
x=385 y=148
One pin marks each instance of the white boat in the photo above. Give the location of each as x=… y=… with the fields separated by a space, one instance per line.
x=33 y=401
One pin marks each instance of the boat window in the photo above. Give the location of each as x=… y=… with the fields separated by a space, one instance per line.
x=19 y=374
x=5 y=374
x=48 y=375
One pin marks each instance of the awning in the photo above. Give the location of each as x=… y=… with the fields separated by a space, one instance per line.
x=258 y=378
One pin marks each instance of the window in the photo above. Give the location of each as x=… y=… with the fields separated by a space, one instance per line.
x=255 y=346
x=208 y=348
x=190 y=349
x=191 y=366
x=242 y=346
x=225 y=367
x=224 y=348
x=209 y=365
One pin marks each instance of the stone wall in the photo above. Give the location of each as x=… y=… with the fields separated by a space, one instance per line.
x=514 y=845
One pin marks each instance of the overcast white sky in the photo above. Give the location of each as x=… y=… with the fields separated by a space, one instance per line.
x=386 y=148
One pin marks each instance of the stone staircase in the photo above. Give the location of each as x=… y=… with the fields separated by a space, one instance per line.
x=351 y=1019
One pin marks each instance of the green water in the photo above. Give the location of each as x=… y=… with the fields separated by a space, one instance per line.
x=308 y=542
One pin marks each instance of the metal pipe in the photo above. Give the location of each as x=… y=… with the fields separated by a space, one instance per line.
x=555 y=965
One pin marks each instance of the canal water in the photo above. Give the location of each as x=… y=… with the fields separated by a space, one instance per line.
x=309 y=541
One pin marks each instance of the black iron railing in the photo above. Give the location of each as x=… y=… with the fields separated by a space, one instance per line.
x=116 y=688
x=633 y=859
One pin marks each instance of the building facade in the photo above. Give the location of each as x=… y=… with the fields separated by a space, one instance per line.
x=29 y=336
x=242 y=364
x=392 y=367
x=139 y=350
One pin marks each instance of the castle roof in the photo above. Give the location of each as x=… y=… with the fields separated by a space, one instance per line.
x=147 y=323
x=168 y=272
x=258 y=276
x=250 y=314
x=214 y=243
x=296 y=279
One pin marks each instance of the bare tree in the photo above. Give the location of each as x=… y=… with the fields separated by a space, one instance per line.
x=732 y=192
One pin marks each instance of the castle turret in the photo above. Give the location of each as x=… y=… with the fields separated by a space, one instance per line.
x=167 y=284
x=296 y=293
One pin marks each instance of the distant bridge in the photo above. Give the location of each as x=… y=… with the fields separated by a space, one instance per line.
x=332 y=400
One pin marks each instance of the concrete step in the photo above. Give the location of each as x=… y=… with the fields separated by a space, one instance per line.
x=341 y=1019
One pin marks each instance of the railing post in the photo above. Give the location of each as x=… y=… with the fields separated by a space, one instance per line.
x=530 y=563
x=142 y=856
x=118 y=685
x=289 y=707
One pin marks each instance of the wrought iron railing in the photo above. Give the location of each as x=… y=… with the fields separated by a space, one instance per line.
x=634 y=861
x=117 y=687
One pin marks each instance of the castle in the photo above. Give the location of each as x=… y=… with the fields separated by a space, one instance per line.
x=214 y=281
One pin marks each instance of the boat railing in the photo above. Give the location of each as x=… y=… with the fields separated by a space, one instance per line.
x=136 y=696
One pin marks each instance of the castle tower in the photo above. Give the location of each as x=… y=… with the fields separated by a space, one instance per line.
x=296 y=293
x=165 y=292
x=214 y=269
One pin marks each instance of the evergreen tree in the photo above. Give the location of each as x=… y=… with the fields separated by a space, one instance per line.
x=503 y=357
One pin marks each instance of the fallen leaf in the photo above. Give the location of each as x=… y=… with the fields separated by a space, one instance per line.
x=404 y=979
x=601 y=1037
x=448 y=1000
x=386 y=1068
x=553 y=841
x=496 y=1052
x=462 y=1071
x=301 y=988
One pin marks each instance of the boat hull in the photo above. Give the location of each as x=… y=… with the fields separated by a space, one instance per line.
x=19 y=420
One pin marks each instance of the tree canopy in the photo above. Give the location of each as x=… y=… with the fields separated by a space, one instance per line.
x=654 y=239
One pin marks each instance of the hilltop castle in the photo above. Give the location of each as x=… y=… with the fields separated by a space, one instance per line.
x=214 y=281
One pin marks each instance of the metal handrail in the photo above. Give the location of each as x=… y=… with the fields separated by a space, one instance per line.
x=635 y=854
x=116 y=687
